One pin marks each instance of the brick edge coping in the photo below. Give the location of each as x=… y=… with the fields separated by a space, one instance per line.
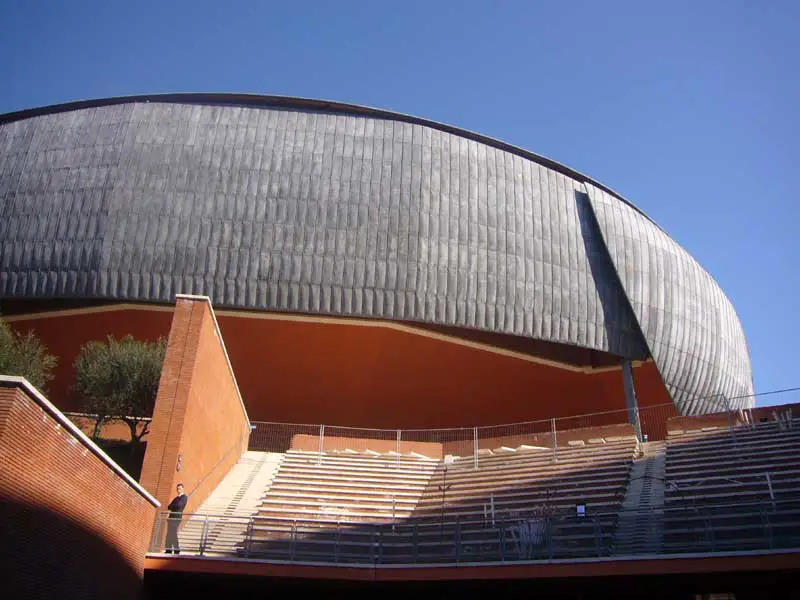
x=12 y=381
x=221 y=341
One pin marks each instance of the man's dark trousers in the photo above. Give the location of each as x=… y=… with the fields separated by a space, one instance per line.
x=175 y=509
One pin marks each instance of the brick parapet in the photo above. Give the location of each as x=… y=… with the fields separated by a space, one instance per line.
x=73 y=523
x=200 y=427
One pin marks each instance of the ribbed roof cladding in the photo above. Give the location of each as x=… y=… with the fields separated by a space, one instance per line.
x=296 y=208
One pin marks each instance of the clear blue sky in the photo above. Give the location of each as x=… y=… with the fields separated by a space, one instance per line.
x=690 y=109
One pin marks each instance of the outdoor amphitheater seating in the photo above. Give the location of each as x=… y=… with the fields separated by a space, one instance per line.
x=735 y=487
x=520 y=501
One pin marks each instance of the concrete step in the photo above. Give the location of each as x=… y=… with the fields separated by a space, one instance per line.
x=640 y=525
x=239 y=494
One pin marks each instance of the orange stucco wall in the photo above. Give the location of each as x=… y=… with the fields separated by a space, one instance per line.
x=338 y=373
x=64 y=336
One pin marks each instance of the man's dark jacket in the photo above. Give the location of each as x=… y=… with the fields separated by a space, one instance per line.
x=177 y=505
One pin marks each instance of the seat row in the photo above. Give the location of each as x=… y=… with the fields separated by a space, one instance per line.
x=733 y=488
x=419 y=504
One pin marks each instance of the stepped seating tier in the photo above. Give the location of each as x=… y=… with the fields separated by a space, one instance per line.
x=706 y=488
x=220 y=524
x=724 y=466
x=345 y=500
x=732 y=488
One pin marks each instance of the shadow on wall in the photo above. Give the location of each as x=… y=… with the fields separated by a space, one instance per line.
x=114 y=440
x=613 y=302
x=44 y=555
x=127 y=457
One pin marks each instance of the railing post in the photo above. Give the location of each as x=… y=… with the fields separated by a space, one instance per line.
x=321 y=443
x=597 y=533
x=502 y=542
x=555 y=439
x=293 y=541
x=475 y=445
x=731 y=424
x=397 y=449
x=377 y=547
x=204 y=536
x=767 y=526
x=415 y=543
x=338 y=541
x=458 y=538
x=155 y=543
x=730 y=420
x=248 y=537
x=709 y=529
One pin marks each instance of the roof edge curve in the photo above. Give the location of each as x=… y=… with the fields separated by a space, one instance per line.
x=260 y=100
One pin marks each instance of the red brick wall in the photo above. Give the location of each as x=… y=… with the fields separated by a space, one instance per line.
x=70 y=526
x=199 y=428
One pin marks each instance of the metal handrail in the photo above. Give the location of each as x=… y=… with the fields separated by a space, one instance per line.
x=468 y=429
x=435 y=523
x=328 y=541
x=726 y=407
x=650 y=423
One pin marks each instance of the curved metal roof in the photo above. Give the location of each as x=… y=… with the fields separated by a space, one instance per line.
x=690 y=326
x=299 y=205
x=263 y=100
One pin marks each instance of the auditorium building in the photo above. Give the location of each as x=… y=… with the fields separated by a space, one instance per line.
x=401 y=357
x=368 y=268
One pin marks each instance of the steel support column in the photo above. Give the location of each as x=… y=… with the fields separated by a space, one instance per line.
x=630 y=398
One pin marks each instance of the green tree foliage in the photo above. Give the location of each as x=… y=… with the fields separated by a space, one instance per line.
x=25 y=356
x=118 y=380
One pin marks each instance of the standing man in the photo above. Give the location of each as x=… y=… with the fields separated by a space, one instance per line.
x=175 y=515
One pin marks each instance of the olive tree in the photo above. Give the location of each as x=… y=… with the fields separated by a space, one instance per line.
x=25 y=356
x=117 y=380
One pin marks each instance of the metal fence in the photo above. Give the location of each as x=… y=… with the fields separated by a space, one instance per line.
x=506 y=538
x=647 y=424
x=462 y=442
x=687 y=524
